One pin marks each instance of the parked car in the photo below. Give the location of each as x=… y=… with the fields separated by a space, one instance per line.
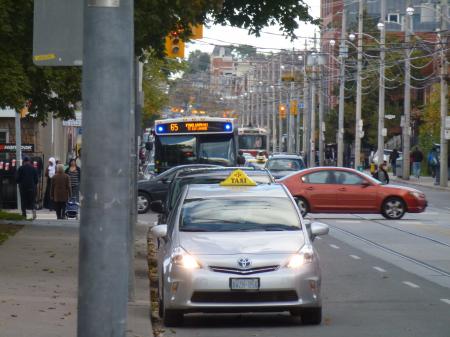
x=281 y=165
x=156 y=187
x=345 y=190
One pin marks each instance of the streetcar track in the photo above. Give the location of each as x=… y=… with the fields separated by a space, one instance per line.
x=391 y=251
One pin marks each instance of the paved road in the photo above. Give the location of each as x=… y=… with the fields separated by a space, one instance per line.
x=381 y=278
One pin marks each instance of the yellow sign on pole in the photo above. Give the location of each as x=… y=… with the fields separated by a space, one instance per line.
x=238 y=178
x=197 y=32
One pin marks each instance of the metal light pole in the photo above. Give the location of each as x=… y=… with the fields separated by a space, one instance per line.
x=407 y=97
x=444 y=95
x=280 y=101
x=312 y=148
x=274 y=111
x=381 y=89
x=107 y=103
x=342 y=52
x=18 y=153
x=358 y=121
x=321 y=119
x=305 y=104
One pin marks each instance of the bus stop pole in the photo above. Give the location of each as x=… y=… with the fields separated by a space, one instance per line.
x=105 y=184
x=18 y=152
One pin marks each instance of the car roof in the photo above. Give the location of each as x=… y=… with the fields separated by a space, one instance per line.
x=219 y=170
x=217 y=191
x=285 y=156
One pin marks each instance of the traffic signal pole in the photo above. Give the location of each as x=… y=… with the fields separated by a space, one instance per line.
x=105 y=202
x=444 y=94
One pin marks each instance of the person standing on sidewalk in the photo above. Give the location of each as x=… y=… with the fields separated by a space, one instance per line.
x=27 y=179
x=393 y=160
x=60 y=191
x=416 y=159
x=383 y=174
x=74 y=173
x=49 y=173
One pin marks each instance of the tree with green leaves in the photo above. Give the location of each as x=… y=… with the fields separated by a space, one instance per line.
x=56 y=90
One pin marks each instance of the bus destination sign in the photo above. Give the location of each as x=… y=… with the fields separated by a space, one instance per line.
x=194 y=127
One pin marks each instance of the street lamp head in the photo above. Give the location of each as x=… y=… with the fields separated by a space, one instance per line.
x=271 y=87
x=380 y=25
x=260 y=83
x=352 y=37
x=300 y=57
x=410 y=11
x=332 y=43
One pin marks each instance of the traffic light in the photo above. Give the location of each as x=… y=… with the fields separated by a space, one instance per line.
x=282 y=111
x=294 y=108
x=174 y=45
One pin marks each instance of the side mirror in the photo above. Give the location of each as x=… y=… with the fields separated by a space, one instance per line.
x=318 y=228
x=159 y=231
x=157 y=206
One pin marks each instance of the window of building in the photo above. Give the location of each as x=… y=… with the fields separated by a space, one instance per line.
x=3 y=140
x=393 y=17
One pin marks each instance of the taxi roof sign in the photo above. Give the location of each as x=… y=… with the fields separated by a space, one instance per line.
x=238 y=178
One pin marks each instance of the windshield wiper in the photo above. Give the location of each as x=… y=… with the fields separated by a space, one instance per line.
x=280 y=228
x=193 y=229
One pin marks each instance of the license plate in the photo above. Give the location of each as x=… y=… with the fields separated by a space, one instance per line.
x=244 y=283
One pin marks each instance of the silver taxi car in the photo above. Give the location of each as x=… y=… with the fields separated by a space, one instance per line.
x=238 y=249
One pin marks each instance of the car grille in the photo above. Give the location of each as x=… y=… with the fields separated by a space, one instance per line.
x=244 y=271
x=244 y=296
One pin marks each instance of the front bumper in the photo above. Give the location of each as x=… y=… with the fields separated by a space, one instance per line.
x=205 y=290
x=417 y=205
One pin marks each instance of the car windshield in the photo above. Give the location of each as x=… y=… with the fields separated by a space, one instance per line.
x=372 y=179
x=239 y=215
x=285 y=164
x=252 y=142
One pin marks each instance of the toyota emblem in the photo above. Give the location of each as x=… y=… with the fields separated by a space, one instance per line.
x=244 y=262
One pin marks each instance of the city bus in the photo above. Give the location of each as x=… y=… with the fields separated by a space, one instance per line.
x=195 y=140
x=253 y=140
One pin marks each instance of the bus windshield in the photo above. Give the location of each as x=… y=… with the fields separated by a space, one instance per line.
x=257 y=142
x=191 y=149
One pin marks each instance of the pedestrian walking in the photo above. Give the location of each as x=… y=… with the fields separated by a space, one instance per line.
x=433 y=161
x=60 y=191
x=393 y=161
x=241 y=158
x=74 y=173
x=49 y=173
x=383 y=175
x=416 y=159
x=27 y=179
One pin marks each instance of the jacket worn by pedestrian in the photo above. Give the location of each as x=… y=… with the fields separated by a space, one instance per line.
x=60 y=191
x=27 y=177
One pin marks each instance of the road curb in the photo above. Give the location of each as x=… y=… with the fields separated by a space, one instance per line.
x=412 y=183
x=43 y=223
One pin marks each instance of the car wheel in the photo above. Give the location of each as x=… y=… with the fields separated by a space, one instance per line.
x=302 y=205
x=393 y=208
x=143 y=202
x=311 y=316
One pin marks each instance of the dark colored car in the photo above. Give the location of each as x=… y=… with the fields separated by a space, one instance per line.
x=345 y=190
x=203 y=176
x=281 y=165
x=156 y=187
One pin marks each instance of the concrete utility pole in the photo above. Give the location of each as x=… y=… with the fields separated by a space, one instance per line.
x=444 y=94
x=340 y=136
x=274 y=109
x=381 y=89
x=297 y=123
x=108 y=108
x=407 y=99
x=289 y=116
x=358 y=120
x=312 y=147
x=321 y=118
x=305 y=140
x=280 y=101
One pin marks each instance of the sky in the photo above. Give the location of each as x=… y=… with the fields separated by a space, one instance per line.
x=271 y=36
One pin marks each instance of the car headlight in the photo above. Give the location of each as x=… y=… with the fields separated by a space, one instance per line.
x=417 y=195
x=181 y=258
x=304 y=256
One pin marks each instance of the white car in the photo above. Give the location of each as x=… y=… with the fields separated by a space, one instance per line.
x=238 y=249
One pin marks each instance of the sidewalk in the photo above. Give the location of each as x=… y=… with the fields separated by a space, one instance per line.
x=38 y=283
x=421 y=182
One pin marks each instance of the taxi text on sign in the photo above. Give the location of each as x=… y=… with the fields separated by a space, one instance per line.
x=238 y=178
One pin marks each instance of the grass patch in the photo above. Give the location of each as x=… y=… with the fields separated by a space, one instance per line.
x=11 y=216
x=7 y=230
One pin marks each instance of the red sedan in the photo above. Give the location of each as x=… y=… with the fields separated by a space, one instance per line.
x=344 y=190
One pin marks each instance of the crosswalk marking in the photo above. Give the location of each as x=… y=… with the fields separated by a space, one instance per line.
x=334 y=246
x=348 y=221
x=381 y=270
x=410 y=284
x=445 y=300
x=356 y=257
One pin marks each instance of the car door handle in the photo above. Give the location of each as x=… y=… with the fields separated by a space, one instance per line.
x=310 y=188
x=342 y=189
